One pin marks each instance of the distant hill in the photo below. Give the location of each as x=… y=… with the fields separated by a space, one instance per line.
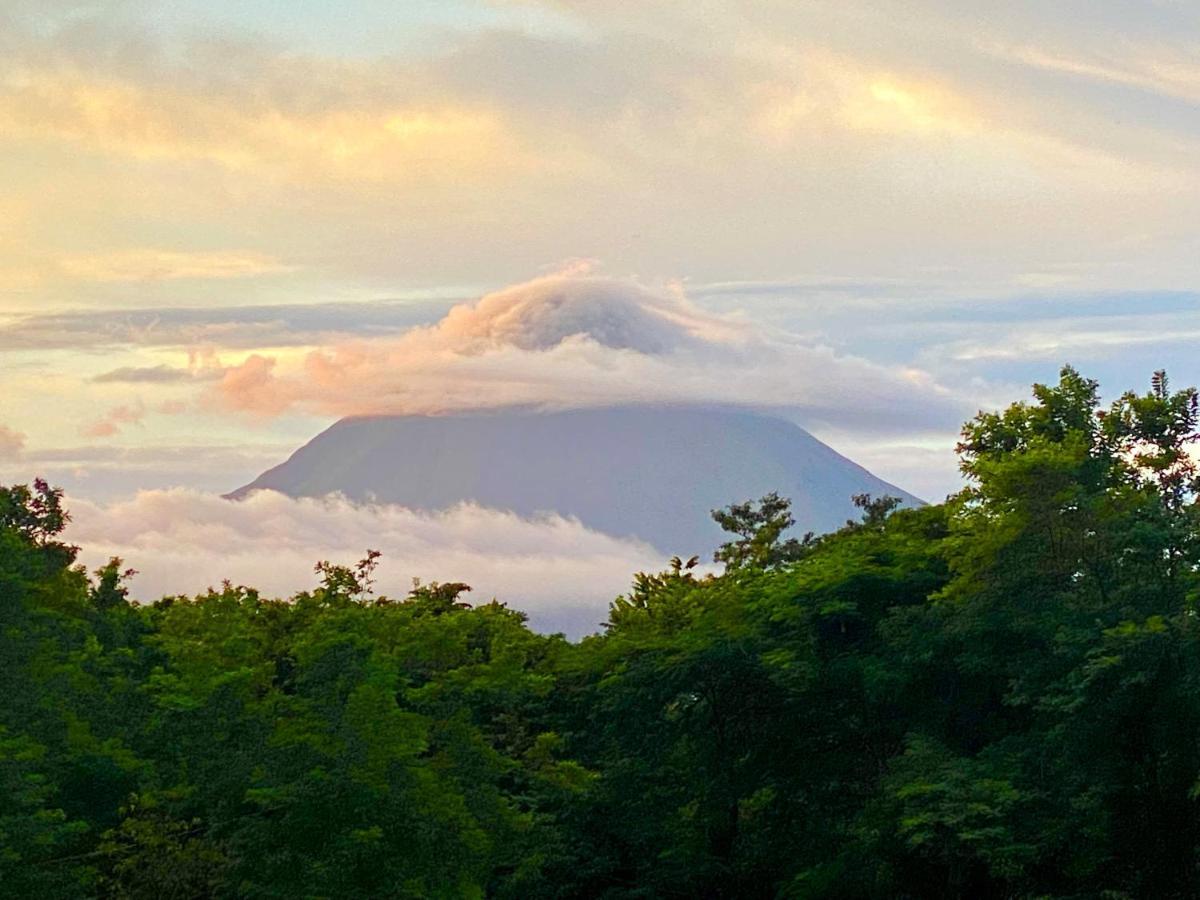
x=649 y=472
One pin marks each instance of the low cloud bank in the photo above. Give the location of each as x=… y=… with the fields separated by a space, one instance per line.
x=182 y=541
x=572 y=340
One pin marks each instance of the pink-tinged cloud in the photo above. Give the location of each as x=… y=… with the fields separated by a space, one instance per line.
x=99 y=429
x=253 y=387
x=112 y=421
x=182 y=541
x=11 y=443
x=569 y=341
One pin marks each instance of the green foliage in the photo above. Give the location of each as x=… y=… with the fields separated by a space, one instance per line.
x=759 y=529
x=991 y=697
x=152 y=855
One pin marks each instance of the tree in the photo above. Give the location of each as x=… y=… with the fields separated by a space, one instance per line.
x=355 y=582
x=30 y=521
x=438 y=599
x=875 y=510
x=110 y=590
x=1152 y=433
x=759 y=528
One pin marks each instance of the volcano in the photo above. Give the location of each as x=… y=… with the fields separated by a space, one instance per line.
x=649 y=473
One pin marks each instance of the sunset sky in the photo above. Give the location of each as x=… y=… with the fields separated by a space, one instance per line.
x=224 y=224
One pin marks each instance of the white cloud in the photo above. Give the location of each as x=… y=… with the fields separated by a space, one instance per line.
x=182 y=541
x=543 y=313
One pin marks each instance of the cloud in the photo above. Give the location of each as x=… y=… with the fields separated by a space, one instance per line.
x=149 y=264
x=568 y=341
x=104 y=471
x=203 y=365
x=751 y=142
x=1079 y=339
x=359 y=123
x=542 y=314
x=178 y=119
x=11 y=443
x=160 y=374
x=1156 y=69
x=112 y=421
x=183 y=541
x=230 y=327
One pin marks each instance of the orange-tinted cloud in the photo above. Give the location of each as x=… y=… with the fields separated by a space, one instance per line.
x=791 y=140
x=148 y=120
x=253 y=387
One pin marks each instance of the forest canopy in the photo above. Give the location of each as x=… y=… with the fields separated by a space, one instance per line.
x=995 y=696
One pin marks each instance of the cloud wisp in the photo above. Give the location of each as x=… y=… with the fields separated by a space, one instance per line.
x=227 y=327
x=148 y=264
x=114 y=420
x=570 y=341
x=12 y=442
x=183 y=541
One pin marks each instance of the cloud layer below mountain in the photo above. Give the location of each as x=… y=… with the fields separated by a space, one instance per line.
x=183 y=541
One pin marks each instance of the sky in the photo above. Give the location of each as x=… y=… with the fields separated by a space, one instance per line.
x=225 y=224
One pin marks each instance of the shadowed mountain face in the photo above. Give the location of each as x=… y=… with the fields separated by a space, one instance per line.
x=650 y=473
